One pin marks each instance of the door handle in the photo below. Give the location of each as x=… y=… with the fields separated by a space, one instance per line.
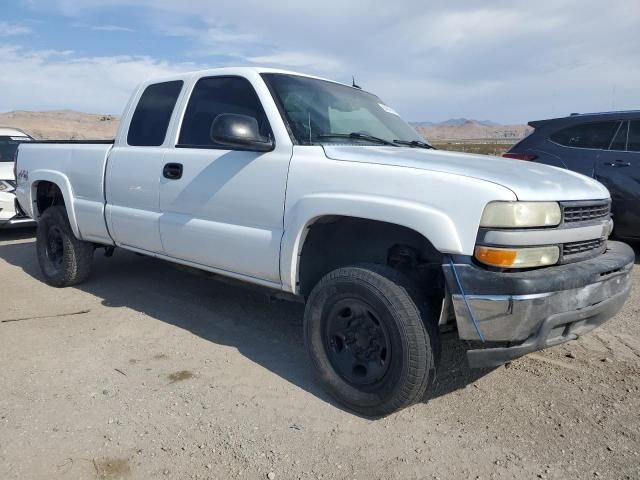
x=172 y=171
x=618 y=163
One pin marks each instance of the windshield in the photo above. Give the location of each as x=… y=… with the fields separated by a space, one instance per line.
x=319 y=111
x=8 y=147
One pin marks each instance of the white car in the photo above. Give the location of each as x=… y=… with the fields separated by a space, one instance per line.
x=321 y=190
x=11 y=215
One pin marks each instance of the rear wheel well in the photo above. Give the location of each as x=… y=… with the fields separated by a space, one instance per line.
x=48 y=194
x=337 y=241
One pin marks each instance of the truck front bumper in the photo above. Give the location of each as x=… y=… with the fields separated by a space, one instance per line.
x=531 y=310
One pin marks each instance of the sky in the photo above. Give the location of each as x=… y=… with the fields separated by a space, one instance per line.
x=506 y=61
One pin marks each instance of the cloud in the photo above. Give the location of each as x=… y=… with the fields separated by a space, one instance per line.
x=46 y=80
x=103 y=28
x=293 y=59
x=511 y=61
x=111 y=28
x=10 y=29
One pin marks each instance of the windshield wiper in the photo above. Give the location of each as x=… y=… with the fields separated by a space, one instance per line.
x=358 y=136
x=415 y=143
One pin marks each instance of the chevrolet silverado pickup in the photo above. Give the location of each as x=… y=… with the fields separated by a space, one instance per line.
x=321 y=190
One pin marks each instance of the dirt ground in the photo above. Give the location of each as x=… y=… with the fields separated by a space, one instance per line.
x=147 y=371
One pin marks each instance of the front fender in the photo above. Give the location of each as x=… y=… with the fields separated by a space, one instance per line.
x=432 y=223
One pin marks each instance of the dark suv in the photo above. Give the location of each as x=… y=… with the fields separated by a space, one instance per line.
x=605 y=146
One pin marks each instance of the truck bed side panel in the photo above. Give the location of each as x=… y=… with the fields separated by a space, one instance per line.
x=78 y=170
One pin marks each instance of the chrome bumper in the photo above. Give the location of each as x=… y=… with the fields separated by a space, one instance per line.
x=595 y=290
x=11 y=215
x=509 y=318
x=18 y=222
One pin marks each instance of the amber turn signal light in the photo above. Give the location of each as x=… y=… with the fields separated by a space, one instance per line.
x=496 y=257
x=518 y=257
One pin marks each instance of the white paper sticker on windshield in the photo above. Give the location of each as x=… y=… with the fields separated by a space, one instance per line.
x=388 y=109
x=24 y=139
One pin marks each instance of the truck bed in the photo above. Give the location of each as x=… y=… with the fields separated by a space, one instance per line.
x=78 y=168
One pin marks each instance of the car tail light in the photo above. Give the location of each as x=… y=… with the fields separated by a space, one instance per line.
x=520 y=156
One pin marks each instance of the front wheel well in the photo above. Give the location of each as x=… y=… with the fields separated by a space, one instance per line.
x=333 y=242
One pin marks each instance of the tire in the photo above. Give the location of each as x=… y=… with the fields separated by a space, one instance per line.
x=372 y=339
x=64 y=260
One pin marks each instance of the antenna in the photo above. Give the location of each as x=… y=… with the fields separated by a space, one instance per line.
x=353 y=83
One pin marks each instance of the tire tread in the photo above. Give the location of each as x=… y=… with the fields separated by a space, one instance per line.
x=77 y=254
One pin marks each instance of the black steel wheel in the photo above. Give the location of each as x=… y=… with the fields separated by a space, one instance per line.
x=54 y=248
x=372 y=339
x=64 y=260
x=357 y=342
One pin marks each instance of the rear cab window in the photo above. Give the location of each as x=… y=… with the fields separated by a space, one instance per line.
x=148 y=127
x=594 y=135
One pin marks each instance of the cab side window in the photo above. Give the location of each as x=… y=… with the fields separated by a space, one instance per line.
x=151 y=118
x=213 y=96
x=596 y=135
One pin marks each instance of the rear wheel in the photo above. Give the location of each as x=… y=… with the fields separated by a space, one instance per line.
x=373 y=344
x=64 y=260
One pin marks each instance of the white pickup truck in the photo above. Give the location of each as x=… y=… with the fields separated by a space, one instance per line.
x=321 y=190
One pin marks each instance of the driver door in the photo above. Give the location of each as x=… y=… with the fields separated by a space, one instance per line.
x=224 y=210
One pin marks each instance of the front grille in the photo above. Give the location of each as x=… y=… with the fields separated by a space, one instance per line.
x=583 y=248
x=585 y=212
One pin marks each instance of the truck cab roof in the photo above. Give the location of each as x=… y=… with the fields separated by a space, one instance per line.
x=242 y=71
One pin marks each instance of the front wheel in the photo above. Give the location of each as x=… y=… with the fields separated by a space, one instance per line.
x=366 y=335
x=64 y=260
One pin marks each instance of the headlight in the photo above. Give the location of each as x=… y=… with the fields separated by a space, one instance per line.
x=521 y=214
x=6 y=186
x=518 y=257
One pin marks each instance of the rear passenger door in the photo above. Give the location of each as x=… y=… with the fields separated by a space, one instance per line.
x=226 y=209
x=618 y=168
x=134 y=168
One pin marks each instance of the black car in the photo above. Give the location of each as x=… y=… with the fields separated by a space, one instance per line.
x=605 y=146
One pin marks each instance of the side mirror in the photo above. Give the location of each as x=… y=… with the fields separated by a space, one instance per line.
x=239 y=131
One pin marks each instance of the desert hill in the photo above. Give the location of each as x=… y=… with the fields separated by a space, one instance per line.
x=464 y=129
x=61 y=124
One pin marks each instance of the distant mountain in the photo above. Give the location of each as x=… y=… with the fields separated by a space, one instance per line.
x=61 y=124
x=489 y=123
x=465 y=129
x=457 y=122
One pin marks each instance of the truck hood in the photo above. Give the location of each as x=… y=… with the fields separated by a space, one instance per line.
x=6 y=171
x=527 y=180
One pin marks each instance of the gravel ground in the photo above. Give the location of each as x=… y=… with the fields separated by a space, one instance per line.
x=148 y=371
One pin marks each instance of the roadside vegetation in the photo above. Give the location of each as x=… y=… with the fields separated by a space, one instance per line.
x=485 y=148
